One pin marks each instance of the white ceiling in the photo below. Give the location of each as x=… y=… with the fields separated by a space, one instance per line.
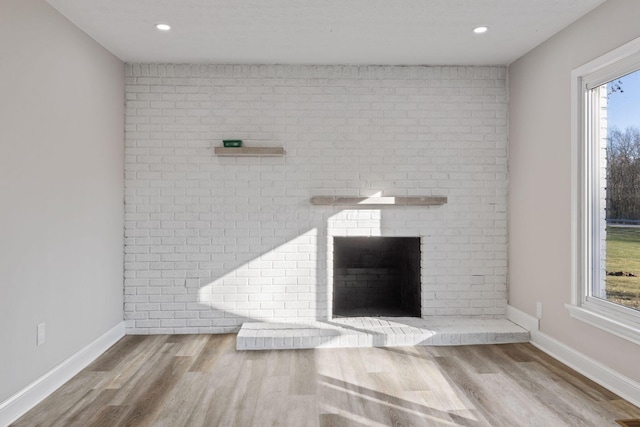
x=323 y=31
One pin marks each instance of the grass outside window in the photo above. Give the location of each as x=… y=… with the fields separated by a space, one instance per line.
x=623 y=266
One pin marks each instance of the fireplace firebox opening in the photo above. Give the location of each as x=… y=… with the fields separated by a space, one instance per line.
x=376 y=276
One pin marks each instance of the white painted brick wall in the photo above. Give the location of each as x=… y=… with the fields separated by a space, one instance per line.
x=214 y=241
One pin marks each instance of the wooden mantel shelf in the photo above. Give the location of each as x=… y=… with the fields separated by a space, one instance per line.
x=378 y=201
x=249 y=151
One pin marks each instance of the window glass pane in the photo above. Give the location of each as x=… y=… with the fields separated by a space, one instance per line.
x=619 y=137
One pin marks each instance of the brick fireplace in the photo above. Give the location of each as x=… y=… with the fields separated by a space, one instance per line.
x=213 y=242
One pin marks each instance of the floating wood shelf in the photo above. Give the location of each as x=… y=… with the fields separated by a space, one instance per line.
x=378 y=201
x=249 y=151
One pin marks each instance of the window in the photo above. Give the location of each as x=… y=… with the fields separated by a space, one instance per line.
x=606 y=192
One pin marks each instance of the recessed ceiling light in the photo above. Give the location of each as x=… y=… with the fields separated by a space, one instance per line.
x=163 y=27
x=480 y=30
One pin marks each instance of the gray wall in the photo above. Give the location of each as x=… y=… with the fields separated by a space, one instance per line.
x=540 y=178
x=61 y=190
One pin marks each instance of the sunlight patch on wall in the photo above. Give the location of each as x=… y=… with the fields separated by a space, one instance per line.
x=282 y=281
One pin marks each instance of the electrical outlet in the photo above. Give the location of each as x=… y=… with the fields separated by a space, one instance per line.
x=41 y=334
x=539 y=310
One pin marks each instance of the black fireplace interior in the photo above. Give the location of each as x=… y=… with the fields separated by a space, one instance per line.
x=376 y=276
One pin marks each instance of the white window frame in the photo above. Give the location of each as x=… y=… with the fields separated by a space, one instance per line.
x=586 y=198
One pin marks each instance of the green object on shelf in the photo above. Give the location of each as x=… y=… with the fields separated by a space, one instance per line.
x=232 y=142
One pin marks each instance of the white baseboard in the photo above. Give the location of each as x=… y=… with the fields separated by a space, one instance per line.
x=610 y=379
x=522 y=319
x=21 y=402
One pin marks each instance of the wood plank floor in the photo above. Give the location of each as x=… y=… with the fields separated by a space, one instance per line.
x=201 y=380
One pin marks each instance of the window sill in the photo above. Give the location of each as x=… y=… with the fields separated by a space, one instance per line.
x=606 y=320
